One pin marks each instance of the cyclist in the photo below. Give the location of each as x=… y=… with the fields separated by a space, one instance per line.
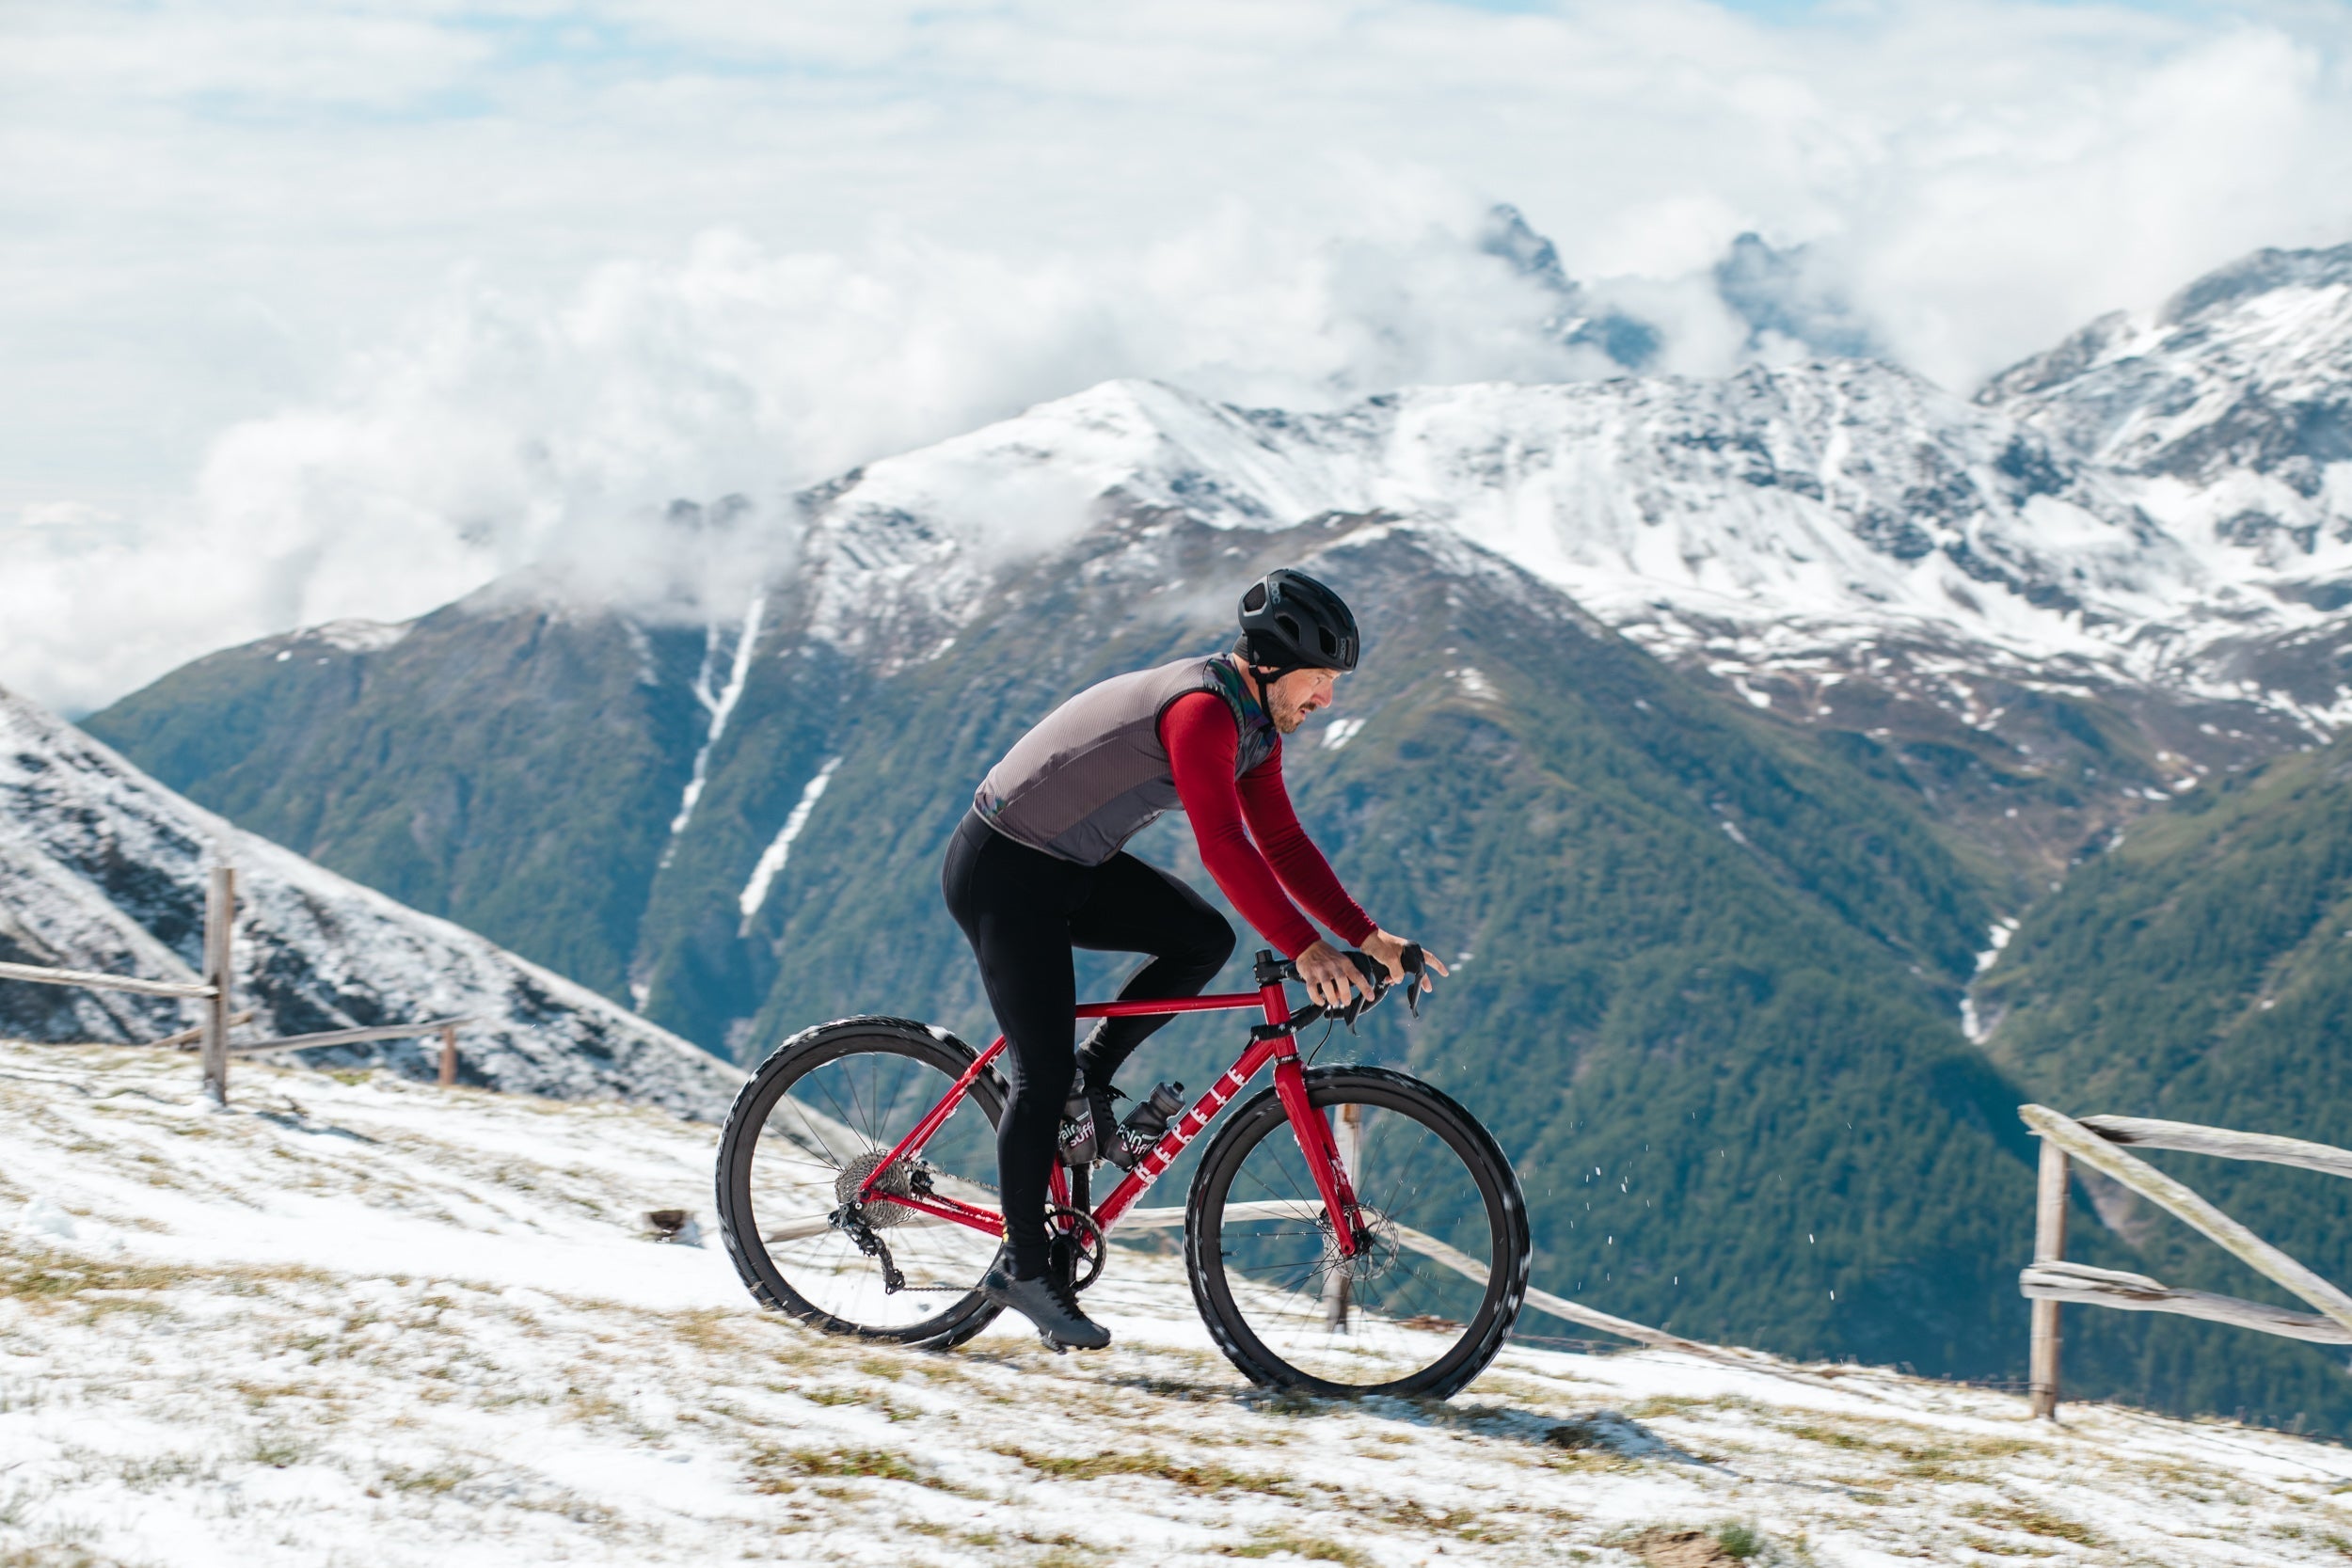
x=1037 y=868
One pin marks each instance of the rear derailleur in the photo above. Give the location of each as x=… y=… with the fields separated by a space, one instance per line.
x=851 y=1221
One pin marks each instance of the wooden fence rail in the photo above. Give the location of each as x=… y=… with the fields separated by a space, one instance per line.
x=211 y=1036
x=2050 y=1281
x=91 y=980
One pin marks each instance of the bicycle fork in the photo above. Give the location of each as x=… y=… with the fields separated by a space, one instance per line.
x=1334 y=1182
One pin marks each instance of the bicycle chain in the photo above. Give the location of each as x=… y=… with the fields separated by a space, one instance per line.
x=920 y=1180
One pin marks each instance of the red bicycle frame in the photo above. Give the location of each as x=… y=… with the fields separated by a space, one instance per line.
x=1274 y=1044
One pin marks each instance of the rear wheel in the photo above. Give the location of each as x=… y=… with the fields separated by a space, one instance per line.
x=1418 y=1311
x=812 y=1124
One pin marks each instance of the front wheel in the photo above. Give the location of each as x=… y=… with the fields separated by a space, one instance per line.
x=1422 y=1309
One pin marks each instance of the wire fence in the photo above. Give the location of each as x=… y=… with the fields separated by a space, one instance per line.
x=213 y=993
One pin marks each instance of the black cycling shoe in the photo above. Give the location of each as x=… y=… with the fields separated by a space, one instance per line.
x=1049 y=1304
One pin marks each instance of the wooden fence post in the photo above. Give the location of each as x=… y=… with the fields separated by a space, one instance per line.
x=449 y=1055
x=2049 y=1246
x=220 y=919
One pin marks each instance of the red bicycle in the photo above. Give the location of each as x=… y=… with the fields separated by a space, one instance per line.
x=1380 y=1248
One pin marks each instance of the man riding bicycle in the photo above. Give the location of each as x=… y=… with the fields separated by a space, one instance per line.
x=1038 y=867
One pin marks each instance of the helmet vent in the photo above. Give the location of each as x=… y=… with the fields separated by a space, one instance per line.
x=1254 y=600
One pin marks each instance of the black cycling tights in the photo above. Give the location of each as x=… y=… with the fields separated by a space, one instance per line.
x=1024 y=911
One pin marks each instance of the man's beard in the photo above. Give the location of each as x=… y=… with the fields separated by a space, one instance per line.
x=1287 y=721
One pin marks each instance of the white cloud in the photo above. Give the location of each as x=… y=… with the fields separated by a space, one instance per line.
x=318 y=311
x=498 y=429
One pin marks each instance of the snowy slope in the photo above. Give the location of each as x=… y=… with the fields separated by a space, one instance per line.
x=101 y=867
x=360 y=1320
x=2227 y=414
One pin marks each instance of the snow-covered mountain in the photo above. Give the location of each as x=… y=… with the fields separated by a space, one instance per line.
x=369 y=1322
x=1841 y=496
x=102 y=868
x=2227 y=414
x=1816 y=506
x=2045 y=607
x=2124 y=560
x=2139 y=506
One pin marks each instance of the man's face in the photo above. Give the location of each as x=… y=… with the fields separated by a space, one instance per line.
x=1291 y=698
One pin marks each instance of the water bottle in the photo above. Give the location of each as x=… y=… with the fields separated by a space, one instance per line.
x=1145 y=1125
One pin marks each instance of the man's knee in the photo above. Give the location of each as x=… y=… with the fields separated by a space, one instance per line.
x=1208 y=942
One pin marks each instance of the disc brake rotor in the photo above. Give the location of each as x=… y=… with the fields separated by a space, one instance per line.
x=1375 y=1257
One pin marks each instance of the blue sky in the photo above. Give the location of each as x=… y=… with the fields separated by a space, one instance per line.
x=351 y=303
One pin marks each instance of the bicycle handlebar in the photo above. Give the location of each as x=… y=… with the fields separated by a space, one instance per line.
x=1376 y=973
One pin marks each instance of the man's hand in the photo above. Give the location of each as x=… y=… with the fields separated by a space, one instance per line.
x=1390 y=949
x=1328 y=977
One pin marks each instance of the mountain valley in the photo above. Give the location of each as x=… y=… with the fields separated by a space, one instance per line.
x=1723 y=727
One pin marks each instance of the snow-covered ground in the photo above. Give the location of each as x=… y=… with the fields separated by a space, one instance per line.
x=359 y=1319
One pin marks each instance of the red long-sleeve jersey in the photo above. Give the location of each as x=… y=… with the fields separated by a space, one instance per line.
x=1199 y=732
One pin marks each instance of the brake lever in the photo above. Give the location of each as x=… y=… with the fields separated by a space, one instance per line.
x=1375 y=978
x=1377 y=987
x=1415 y=975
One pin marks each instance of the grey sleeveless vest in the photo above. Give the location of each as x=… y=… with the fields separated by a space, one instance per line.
x=1094 y=774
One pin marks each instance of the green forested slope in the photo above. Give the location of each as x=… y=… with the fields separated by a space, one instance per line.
x=508 y=764
x=2202 y=971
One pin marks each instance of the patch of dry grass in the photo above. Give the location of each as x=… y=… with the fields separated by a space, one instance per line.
x=1312 y=1548
x=1191 y=1476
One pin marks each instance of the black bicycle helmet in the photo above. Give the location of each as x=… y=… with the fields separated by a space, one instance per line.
x=1290 y=621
